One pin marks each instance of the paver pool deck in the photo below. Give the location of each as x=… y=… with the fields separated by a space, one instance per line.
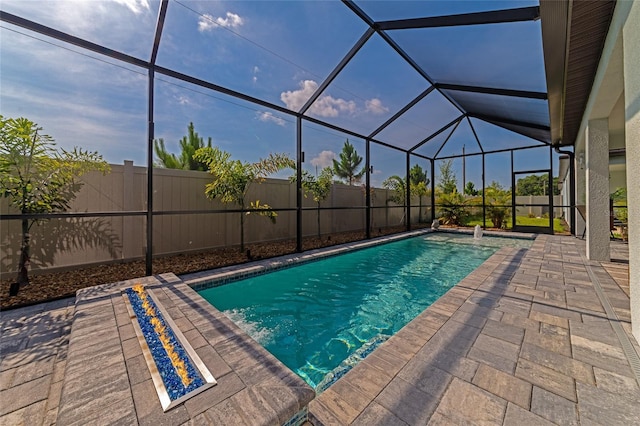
x=537 y=336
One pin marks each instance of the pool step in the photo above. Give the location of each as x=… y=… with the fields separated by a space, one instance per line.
x=351 y=361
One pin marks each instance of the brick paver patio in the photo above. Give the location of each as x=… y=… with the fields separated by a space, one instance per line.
x=524 y=340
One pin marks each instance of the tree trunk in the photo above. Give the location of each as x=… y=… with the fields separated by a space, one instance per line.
x=319 y=220
x=23 y=277
x=242 y=231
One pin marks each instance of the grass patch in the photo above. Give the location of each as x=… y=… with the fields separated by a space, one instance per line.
x=558 y=225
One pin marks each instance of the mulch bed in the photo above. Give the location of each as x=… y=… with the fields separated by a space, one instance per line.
x=51 y=286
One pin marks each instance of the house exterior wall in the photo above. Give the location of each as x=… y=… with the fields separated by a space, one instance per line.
x=631 y=41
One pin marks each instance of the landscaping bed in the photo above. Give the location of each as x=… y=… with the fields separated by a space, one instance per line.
x=51 y=286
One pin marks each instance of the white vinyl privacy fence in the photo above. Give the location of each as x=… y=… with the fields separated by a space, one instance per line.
x=67 y=242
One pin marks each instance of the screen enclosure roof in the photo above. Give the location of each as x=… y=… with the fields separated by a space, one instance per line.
x=428 y=77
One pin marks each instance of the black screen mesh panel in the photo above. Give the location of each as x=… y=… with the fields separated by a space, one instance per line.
x=432 y=146
x=495 y=138
x=258 y=60
x=491 y=55
x=392 y=10
x=362 y=97
x=508 y=108
x=463 y=137
x=420 y=121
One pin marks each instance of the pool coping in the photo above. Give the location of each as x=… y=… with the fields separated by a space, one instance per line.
x=369 y=378
x=106 y=378
x=524 y=339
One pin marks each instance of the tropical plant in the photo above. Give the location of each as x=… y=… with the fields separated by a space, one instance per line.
x=419 y=182
x=398 y=188
x=448 y=182
x=348 y=164
x=497 y=201
x=452 y=208
x=189 y=144
x=38 y=178
x=318 y=186
x=619 y=200
x=233 y=178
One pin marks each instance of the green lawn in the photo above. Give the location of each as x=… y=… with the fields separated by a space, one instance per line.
x=520 y=220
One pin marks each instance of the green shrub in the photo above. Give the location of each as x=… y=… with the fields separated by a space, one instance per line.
x=452 y=208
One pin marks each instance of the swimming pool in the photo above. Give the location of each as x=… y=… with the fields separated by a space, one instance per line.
x=316 y=315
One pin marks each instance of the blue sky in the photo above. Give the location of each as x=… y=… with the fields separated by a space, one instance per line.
x=278 y=51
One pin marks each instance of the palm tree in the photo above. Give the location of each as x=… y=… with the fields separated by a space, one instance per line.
x=399 y=195
x=349 y=163
x=452 y=208
x=419 y=182
x=232 y=179
x=318 y=186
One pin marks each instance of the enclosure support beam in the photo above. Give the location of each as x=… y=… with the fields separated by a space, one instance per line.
x=550 y=190
x=493 y=91
x=597 y=182
x=475 y=135
x=67 y=38
x=402 y=111
x=572 y=187
x=477 y=18
x=504 y=123
x=150 y=136
x=484 y=204
x=513 y=196
x=368 y=188
x=448 y=137
x=407 y=201
x=433 y=190
x=299 y=184
x=391 y=42
x=442 y=129
x=361 y=42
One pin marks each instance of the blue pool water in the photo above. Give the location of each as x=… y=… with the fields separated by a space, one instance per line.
x=314 y=316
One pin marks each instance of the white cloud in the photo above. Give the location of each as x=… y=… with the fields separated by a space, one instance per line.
x=256 y=70
x=324 y=159
x=324 y=106
x=208 y=22
x=136 y=6
x=295 y=99
x=267 y=117
x=375 y=106
x=118 y=24
x=183 y=100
